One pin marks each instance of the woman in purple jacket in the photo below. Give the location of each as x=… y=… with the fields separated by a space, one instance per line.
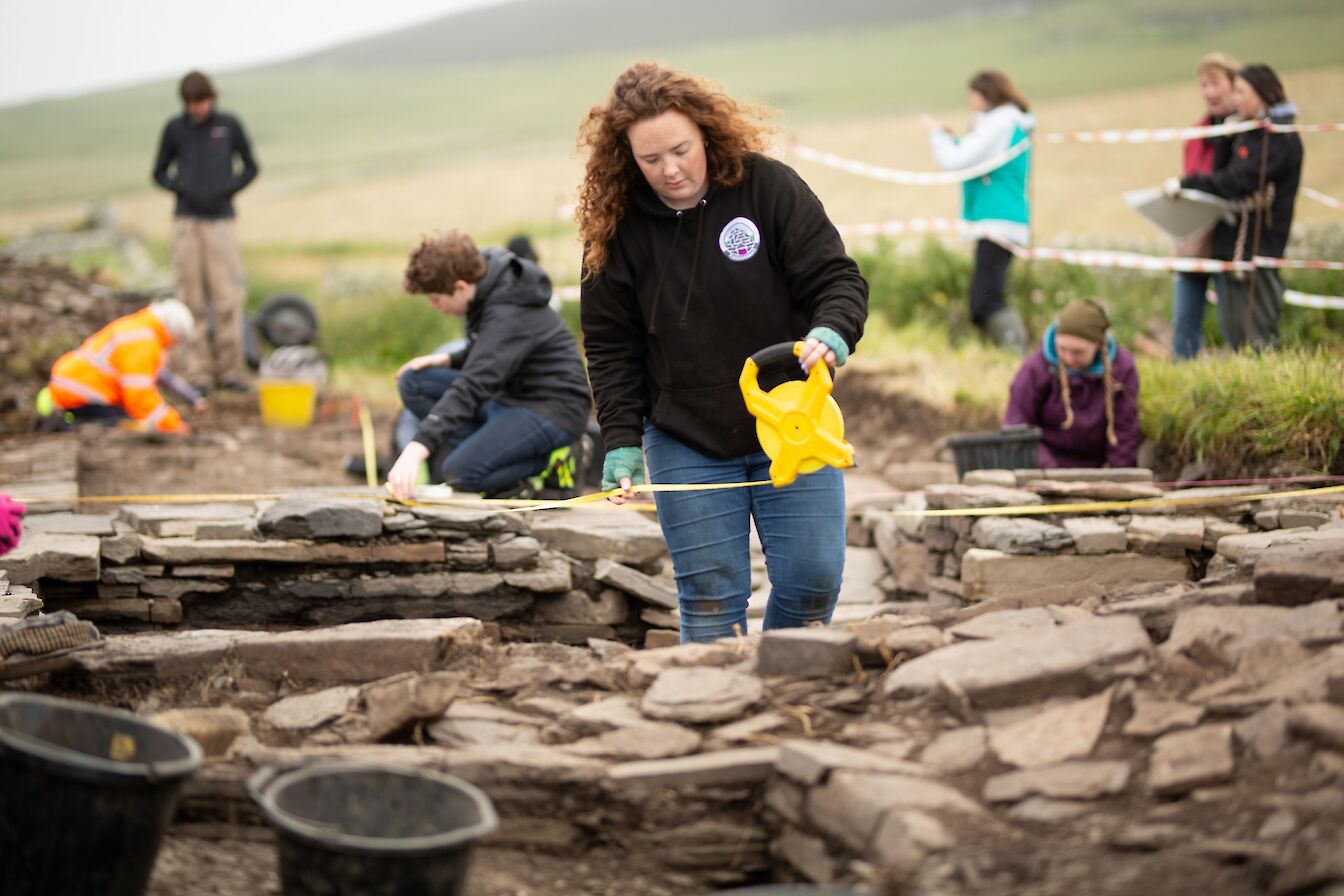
x=1082 y=390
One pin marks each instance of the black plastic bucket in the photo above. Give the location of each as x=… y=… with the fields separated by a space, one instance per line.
x=86 y=793
x=1011 y=448
x=361 y=829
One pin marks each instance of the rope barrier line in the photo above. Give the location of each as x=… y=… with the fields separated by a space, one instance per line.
x=1096 y=506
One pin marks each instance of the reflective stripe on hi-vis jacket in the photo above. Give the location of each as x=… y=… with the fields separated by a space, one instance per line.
x=119 y=366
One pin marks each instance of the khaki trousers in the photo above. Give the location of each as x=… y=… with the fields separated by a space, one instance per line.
x=210 y=281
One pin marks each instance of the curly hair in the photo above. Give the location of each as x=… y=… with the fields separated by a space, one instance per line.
x=646 y=90
x=442 y=260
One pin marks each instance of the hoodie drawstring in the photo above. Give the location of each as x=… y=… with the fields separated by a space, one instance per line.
x=658 y=290
x=695 y=262
x=667 y=265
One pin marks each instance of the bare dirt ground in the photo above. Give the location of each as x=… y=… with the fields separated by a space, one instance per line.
x=209 y=866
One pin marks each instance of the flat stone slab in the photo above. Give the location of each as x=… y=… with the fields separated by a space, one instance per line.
x=635 y=583
x=16 y=606
x=1078 y=780
x=312 y=517
x=644 y=741
x=1160 y=611
x=696 y=694
x=1153 y=716
x=358 y=652
x=1096 y=535
x=1073 y=659
x=958 y=750
x=190 y=550
x=1184 y=760
x=850 y=806
x=1003 y=622
x=1232 y=630
x=70 y=523
x=742 y=766
x=807 y=652
x=303 y=711
x=168 y=520
x=1166 y=534
x=987 y=574
x=1055 y=734
x=1094 y=491
x=622 y=536
x=50 y=555
x=956 y=497
x=1300 y=573
x=812 y=761
x=1242 y=548
x=1019 y=536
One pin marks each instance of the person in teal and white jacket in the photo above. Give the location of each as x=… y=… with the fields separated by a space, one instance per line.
x=995 y=201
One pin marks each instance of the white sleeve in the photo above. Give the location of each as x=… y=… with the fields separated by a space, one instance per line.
x=989 y=137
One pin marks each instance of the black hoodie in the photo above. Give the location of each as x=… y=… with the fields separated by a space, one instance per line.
x=518 y=351
x=1240 y=178
x=686 y=297
x=202 y=154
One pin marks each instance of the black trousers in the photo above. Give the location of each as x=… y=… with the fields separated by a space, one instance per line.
x=988 y=280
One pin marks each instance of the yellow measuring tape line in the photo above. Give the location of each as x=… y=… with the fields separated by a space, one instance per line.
x=501 y=505
x=1091 y=506
x=506 y=505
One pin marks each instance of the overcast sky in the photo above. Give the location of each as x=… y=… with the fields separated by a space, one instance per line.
x=62 y=47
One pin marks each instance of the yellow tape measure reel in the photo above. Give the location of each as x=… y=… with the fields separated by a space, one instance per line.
x=798 y=422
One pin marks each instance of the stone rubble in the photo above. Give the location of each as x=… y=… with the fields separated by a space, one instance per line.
x=1156 y=729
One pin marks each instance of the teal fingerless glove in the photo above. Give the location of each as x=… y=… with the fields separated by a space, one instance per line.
x=833 y=341
x=622 y=463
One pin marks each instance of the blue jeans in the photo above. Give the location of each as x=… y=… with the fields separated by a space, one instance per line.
x=500 y=445
x=801 y=526
x=1187 y=314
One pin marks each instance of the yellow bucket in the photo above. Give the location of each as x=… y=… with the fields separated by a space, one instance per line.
x=287 y=404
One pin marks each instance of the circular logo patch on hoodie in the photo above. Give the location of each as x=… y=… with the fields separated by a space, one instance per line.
x=740 y=239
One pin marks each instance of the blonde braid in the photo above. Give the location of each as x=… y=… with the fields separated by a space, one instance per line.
x=1108 y=383
x=1064 y=393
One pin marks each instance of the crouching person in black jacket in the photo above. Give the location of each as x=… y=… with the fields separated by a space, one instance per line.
x=513 y=394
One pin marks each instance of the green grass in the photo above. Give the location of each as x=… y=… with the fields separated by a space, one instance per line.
x=1248 y=413
x=318 y=125
x=930 y=286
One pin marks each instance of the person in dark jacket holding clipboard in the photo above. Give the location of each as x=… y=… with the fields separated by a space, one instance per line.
x=1263 y=173
x=699 y=252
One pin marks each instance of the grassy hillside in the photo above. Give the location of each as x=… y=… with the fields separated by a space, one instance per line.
x=332 y=121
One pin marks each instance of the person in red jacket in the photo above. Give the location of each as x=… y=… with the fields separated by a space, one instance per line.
x=1215 y=74
x=116 y=372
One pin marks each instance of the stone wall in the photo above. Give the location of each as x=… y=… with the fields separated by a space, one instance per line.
x=313 y=560
x=944 y=562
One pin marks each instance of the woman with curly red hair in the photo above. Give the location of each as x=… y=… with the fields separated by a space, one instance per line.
x=698 y=252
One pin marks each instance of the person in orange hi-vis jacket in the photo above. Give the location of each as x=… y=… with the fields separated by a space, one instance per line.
x=117 y=372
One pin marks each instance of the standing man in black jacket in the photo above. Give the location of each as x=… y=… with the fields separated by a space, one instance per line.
x=513 y=394
x=196 y=163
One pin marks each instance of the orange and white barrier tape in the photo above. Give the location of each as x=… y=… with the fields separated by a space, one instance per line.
x=1320 y=197
x=1310 y=300
x=1195 y=132
x=918 y=178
